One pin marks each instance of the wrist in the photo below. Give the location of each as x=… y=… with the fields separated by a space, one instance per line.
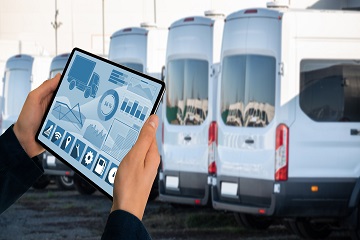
x=29 y=145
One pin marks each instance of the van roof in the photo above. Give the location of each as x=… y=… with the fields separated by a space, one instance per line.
x=192 y=20
x=129 y=31
x=276 y=13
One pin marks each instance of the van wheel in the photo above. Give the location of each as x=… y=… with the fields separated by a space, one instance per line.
x=253 y=221
x=87 y=92
x=307 y=229
x=65 y=182
x=82 y=186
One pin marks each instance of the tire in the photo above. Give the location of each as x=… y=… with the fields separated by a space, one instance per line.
x=42 y=182
x=306 y=229
x=82 y=186
x=87 y=92
x=253 y=221
x=72 y=85
x=65 y=182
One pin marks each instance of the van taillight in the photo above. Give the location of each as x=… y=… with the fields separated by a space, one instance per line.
x=212 y=147
x=282 y=153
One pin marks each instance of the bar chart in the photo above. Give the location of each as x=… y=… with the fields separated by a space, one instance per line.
x=134 y=109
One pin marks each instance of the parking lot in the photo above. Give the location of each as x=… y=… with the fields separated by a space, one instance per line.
x=56 y=214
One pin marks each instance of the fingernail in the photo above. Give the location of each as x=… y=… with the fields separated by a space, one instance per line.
x=152 y=121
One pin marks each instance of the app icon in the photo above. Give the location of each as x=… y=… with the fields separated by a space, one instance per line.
x=89 y=157
x=78 y=149
x=67 y=142
x=57 y=136
x=49 y=127
x=110 y=178
x=100 y=166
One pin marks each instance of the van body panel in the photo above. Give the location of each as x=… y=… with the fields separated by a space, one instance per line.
x=191 y=78
x=323 y=148
x=16 y=86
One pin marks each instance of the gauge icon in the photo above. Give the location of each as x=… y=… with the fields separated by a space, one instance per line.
x=108 y=105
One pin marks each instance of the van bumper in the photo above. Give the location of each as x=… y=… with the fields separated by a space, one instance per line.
x=292 y=198
x=193 y=188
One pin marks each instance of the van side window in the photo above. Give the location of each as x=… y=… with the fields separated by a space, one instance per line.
x=248 y=90
x=187 y=91
x=330 y=90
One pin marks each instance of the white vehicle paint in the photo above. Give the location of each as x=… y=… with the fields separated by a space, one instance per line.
x=288 y=118
x=193 y=49
x=16 y=86
x=142 y=49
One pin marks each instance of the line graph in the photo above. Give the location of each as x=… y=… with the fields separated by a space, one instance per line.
x=62 y=111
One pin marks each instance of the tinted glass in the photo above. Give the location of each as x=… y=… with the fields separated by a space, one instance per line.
x=330 y=90
x=187 y=91
x=248 y=90
x=136 y=66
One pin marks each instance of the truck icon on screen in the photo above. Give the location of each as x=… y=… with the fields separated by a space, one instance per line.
x=82 y=76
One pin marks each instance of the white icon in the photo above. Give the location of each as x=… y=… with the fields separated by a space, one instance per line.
x=48 y=131
x=89 y=157
x=68 y=140
x=100 y=166
x=112 y=174
x=57 y=135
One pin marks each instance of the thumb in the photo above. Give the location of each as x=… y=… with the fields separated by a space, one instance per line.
x=48 y=86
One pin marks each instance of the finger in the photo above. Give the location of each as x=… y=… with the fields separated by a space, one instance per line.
x=146 y=137
x=48 y=86
x=152 y=159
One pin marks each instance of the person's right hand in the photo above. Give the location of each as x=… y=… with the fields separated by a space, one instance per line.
x=137 y=171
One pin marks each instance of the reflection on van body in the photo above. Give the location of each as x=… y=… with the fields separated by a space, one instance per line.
x=187 y=83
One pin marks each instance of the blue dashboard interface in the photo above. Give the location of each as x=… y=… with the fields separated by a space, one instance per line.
x=96 y=116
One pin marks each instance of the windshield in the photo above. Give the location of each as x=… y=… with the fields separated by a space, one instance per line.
x=248 y=90
x=187 y=91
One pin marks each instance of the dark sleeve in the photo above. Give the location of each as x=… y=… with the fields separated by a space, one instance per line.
x=17 y=170
x=124 y=225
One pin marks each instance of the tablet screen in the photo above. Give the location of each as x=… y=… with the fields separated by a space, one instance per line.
x=96 y=115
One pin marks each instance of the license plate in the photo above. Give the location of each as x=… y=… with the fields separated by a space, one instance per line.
x=229 y=189
x=172 y=182
x=50 y=160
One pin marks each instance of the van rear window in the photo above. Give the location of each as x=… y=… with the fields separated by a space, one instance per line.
x=330 y=90
x=187 y=91
x=248 y=90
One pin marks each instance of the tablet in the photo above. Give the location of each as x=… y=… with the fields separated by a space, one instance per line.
x=96 y=114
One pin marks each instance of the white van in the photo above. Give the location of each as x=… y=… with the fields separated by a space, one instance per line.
x=288 y=116
x=193 y=47
x=142 y=49
x=16 y=86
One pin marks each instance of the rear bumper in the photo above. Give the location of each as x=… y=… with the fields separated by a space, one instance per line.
x=293 y=198
x=192 y=189
x=55 y=167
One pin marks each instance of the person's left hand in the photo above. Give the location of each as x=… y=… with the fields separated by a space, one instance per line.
x=31 y=114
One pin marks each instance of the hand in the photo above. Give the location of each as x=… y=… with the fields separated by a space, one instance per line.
x=31 y=114
x=137 y=171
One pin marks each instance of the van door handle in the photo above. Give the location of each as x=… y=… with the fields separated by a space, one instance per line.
x=249 y=141
x=355 y=132
x=187 y=138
